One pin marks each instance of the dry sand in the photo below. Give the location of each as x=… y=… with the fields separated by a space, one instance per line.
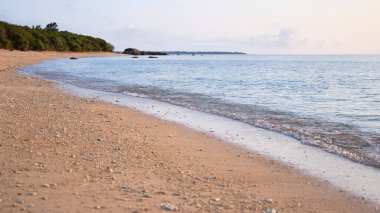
x=65 y=154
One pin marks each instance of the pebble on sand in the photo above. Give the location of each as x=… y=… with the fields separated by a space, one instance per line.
x=168 y=207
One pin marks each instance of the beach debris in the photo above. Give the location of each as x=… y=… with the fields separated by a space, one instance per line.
x=168 y=207
x=73 y=58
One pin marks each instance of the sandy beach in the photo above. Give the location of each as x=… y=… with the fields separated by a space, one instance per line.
x=60 y=153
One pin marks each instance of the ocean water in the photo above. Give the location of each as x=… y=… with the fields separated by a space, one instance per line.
x=327 y=101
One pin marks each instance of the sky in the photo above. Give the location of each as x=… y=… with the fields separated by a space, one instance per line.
x=252 y=26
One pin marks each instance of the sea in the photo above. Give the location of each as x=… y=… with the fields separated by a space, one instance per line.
x=330 y=102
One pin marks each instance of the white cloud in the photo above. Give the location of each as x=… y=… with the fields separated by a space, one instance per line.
x=283 y=39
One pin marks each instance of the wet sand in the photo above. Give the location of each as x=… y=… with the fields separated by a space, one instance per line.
x=65 y=154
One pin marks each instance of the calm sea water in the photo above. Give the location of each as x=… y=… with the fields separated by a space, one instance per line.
x=328 y=101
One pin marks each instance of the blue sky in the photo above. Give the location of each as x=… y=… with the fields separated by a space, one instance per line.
x=253 y=26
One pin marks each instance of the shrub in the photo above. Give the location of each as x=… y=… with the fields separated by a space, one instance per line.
x=38 y=45
x=19 y=42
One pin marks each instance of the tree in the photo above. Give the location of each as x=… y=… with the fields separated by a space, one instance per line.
x=38 y=45
x=52 y=26
x=19 y=42
x=4 y=42
x=34 y=38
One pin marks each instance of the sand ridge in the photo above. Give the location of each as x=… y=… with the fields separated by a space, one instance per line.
x=65 y=154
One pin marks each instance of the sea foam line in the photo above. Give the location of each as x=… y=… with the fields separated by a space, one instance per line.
x=358 y=179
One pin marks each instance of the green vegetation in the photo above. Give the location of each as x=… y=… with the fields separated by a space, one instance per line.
x=48 y=38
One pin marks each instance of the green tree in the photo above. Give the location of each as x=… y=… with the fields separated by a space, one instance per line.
x=52 y=26
x=50 y=38
x=38 y=45
x=19 y=42
x=4 y=42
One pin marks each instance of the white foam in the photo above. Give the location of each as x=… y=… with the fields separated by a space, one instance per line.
x=361 y=180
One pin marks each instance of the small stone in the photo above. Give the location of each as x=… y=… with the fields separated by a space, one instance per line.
x=168 y=207
x=46 y=185
x=44 y=198
x=216 y=199
x=269 y=200
x=147 y=196
x=20 y=201
x=33 y=194
x=270 y=211
x=110 y=170
x=124 y=189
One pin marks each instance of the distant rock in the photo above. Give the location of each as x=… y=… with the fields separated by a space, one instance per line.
x=134 y=51
x=73 y=58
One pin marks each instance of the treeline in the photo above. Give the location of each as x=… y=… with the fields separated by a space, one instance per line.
x=133 y=51
x=15 y=37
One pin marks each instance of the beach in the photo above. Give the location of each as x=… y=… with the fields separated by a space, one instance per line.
x=60 y=153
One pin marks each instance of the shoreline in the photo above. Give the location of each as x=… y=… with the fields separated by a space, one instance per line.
x=305 y=159
x=103 y=157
